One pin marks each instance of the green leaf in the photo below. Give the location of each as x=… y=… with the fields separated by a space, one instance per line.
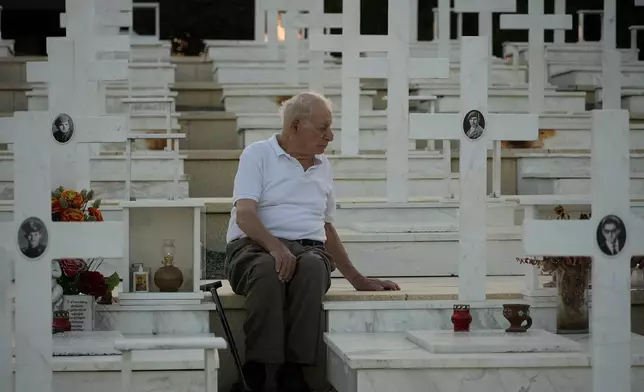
x=63 y=204
x=97 y=203
x=112 y=281
x=90 y=195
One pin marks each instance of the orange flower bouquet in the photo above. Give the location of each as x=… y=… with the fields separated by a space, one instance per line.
x=68 y=205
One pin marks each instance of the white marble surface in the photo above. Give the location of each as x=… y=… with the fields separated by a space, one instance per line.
x=95 y=343
x=150 y=320
x=142 y=381
x=170 y=342
x=153 y=360
x=491 y=341
x=400 y=316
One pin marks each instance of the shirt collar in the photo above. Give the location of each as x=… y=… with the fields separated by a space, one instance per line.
x=279 y=151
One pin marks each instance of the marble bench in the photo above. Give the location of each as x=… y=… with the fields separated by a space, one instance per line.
x=207 y=342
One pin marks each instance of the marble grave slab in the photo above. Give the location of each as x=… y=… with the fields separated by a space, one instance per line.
x=80 y=343
x=491 y=341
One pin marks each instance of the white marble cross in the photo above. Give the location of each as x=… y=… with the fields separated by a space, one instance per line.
x=611 y=220
x=444 y=29
x=485 y=10
x=474 y=127
x=537 y=23
x=33 y=260
x=560 y=9
x=68 y=114
x=611 y=59
x=315 y=21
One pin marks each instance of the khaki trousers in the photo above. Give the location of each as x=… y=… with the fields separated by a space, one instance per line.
x=282 y=319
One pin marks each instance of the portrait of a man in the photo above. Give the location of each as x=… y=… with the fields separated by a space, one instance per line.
x=63 y=128
x=32 y=238
x=474 y=125
x=611 y=235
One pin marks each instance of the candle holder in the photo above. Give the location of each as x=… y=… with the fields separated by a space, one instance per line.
x=461 y=318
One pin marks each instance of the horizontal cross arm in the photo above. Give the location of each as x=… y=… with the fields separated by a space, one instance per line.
x=100 y=129
x=336 y=43
x=116 y=43
x=426 y=126
x=38 y=72
x=558 y=237
x=512 y=126
x=529 y=22
x=108 y=70
x=297 y=20
x=86 y=239
x=429 y=68
x=463 y=6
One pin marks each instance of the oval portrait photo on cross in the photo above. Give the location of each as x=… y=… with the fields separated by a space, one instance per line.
x=474 y=125
x=63 y=128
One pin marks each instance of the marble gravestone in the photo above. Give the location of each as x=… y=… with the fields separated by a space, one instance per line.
x=474 y=127
x=398 y=68
x=350 y=43
x=315 y=21
x=611 y=59
x=491 y=341
x=611 y=238
x=66 y=118
x=537 y=23
x=485 y=9
x=34 y=241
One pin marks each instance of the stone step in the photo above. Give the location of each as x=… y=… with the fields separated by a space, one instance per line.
x=209 y=131
x=13 y=69
x=571 y=186
x=268 y=72
x=428 y=254
x=570 y=74
x=212 y=172
x=557 y=164
x=198 y=95
x=192 y=69
x=268 y=98
x=13 y=96
x=152 y=176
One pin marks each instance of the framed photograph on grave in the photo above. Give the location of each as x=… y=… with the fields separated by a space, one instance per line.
x=474 y=125
x=611 y=235
x=62 y=128
x=33 y=238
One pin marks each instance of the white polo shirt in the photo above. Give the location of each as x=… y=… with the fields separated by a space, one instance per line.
x=292 y=203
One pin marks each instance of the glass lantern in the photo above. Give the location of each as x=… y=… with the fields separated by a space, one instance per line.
x=168 y=249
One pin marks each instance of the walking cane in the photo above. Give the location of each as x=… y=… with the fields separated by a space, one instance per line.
x=212 y=287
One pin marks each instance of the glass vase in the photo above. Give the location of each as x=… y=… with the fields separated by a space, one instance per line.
x=168 y=250
x=572 y=299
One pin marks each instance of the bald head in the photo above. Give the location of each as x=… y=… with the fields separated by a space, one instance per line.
x=306 y=122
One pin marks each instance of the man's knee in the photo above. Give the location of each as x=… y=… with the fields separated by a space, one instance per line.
x=258 y=272
x=312 y=266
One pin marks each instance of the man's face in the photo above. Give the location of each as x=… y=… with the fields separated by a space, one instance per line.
x=474 y=121
x=34 y=239
x=315 y=134
x=610 y=232
x=64 y=126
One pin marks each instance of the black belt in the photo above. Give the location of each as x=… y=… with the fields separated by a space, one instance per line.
x=309 y=242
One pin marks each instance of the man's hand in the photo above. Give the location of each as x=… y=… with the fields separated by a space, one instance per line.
x=285 y=263
x=362 y=283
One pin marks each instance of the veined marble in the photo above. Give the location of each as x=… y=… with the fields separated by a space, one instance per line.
x=399 y=316
x=166 y=319
x=386 y=362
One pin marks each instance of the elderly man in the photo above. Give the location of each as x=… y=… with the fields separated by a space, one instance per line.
x=282 y=246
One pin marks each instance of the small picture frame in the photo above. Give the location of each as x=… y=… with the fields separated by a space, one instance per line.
x=33 y=238
x=63 y=128
x=611 y=235
x=474 y=125
x=140 y=281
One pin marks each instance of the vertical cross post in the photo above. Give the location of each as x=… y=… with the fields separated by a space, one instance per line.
x=474 y=127
x=560 y=35
x=537 y=23
x=611 y=59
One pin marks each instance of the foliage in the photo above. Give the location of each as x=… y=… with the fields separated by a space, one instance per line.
x=68 y=205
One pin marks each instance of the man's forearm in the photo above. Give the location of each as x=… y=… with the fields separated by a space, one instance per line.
x=253 y=227
x=336 y=250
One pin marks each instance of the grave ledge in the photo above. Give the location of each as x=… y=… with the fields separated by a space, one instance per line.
x=364 y=351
